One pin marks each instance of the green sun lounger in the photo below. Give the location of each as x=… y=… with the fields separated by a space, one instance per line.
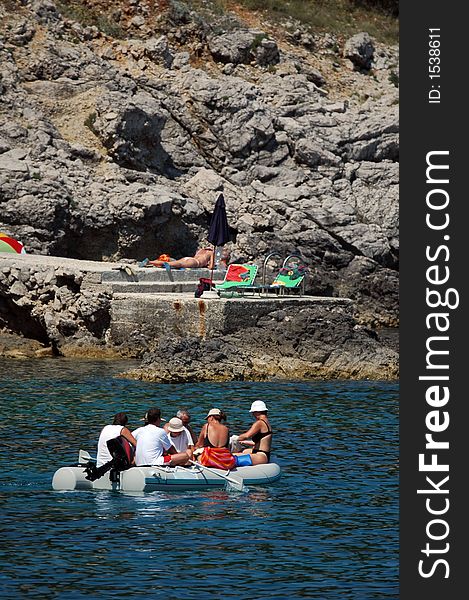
x=288 y=279
x=237 y=278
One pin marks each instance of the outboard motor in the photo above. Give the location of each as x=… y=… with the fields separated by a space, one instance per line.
x=122 y=453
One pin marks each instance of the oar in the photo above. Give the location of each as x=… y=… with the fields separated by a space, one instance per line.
x=236 y=481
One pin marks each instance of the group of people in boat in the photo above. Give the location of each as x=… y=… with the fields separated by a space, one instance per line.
x=175 y=443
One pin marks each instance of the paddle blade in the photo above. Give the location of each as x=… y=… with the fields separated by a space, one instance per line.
x=235 y=484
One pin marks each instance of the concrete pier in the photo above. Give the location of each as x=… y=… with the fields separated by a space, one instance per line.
x=145 y=303
x=154 y=316
x=102 y=309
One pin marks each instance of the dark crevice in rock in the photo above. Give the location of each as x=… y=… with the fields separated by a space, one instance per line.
x=19 y=320
x=209 y=158
x=86 y=243
x=348 y=247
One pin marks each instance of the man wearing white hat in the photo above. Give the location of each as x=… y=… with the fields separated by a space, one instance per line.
x=259 y=435
x=178 y=435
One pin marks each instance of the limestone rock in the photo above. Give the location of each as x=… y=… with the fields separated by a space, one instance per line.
x=360 y=50
x=157 y=50
x=118 y=148
x=279 y=344
x=11 y=164
x=240 y=47
x=312 y=154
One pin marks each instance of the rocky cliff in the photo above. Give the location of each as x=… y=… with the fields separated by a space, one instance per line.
x=120 y=123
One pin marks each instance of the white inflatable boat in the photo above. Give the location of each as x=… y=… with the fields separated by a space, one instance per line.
x=148 y=479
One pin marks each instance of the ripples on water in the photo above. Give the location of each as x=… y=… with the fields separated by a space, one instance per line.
x=328 y=529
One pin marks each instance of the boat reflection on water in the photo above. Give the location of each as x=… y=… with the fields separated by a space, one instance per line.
x=211 y=505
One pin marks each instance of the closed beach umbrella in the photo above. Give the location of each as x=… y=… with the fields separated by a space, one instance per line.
x=219 y=231
x=8 y=244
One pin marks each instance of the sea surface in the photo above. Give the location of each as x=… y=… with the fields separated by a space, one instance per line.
x=328 y=529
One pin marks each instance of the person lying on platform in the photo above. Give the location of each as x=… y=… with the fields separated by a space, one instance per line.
x=259 y=435
x=213 y=442
x=203 y=258
x=153 y=444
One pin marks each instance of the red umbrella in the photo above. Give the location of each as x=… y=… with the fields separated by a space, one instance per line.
x=8 y=244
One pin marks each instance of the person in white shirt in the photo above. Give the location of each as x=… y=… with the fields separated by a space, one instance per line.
x=179 y=435
x=109 y=432
x=153 y=444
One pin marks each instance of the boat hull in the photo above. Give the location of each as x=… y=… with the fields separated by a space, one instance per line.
x=147 y=479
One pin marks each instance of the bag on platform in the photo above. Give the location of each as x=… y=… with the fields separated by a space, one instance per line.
x=204 y=285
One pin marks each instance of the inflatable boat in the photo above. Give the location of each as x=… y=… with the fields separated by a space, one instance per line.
x=149 y=479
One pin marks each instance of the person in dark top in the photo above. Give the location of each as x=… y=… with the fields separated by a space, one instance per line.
x=258 y=436
x=214 y=434
x=214 y=440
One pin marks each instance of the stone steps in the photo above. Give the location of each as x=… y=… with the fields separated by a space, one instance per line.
x=158 y=275
x=153 y=287
x=156 y=281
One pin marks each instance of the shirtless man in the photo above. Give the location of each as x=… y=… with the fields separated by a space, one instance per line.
x=203 y=258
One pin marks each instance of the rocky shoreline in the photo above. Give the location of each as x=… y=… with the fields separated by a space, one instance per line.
x=337 y=350
x=65 y=307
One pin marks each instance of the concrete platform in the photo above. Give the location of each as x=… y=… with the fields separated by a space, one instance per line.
x=152 y=280
x=153 y=316
x=42 y=261
x=145 y=304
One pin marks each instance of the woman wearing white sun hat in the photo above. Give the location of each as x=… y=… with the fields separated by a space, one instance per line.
x=260 y=436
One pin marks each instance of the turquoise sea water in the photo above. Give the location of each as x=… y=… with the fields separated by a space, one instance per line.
x=328 y=529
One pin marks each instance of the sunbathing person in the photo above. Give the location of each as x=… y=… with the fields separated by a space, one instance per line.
x=214 y=440
x=203 y=258
x=259 y=435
